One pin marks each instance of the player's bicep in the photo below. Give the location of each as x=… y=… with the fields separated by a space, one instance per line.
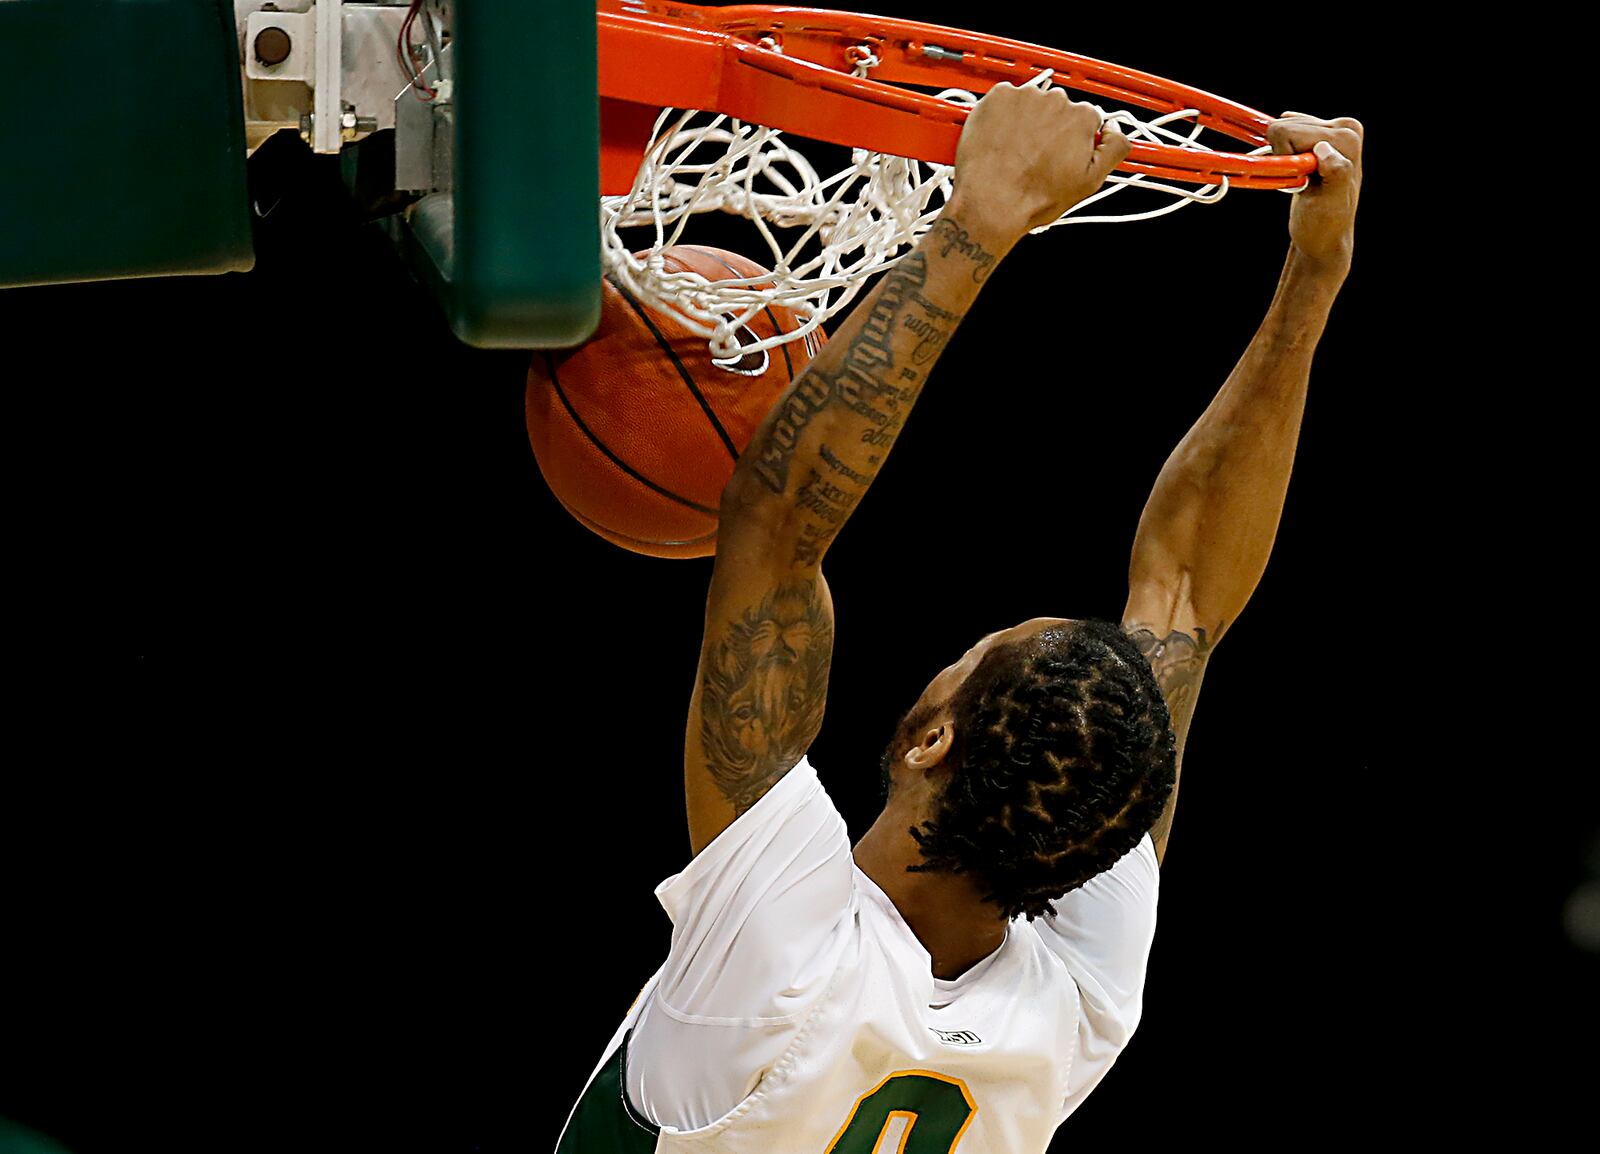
x=762 y=680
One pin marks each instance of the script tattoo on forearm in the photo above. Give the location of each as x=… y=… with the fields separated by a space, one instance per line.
x=826 y=505
x=875 y=378
x=860 y=383
x=951 y=237
x=1178 y=661
x=934 y=327
x=763 y=689
x=832 y=461
x=810 y=395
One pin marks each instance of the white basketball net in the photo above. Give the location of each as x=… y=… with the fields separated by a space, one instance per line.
x=836 y=231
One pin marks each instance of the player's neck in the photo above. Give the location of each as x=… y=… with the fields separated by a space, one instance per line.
x=944 y=910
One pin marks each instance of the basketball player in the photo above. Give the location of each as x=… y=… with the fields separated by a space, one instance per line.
x=967 y=974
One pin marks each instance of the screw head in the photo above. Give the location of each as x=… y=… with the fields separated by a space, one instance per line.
x=272 y=46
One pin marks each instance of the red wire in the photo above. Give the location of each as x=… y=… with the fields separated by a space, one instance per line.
x=427 y=90
x=407 y=61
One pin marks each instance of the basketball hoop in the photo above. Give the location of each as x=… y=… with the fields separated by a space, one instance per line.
x=695 y=102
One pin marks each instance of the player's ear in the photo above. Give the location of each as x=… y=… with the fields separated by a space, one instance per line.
x=932 y=744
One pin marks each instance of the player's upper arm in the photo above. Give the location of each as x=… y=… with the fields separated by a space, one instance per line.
x=1103 y=931
x=763 y=676
x=759 y=919
x=1163 y=622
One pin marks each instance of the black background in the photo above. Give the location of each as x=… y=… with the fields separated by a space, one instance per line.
x=348 y=760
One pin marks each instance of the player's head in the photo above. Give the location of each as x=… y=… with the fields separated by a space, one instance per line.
x=1048 y=751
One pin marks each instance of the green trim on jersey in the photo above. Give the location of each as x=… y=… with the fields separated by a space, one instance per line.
x=604 y=1122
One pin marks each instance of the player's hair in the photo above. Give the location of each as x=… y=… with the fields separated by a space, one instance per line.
x=1063 y=757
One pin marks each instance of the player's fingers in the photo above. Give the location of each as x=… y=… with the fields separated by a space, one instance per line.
x=1287 y=136
x=1113 y=150
x=997 y=95
x=1333 y=166
x=1295 y=135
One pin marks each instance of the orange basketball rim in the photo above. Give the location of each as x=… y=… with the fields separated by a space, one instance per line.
x=835 y=76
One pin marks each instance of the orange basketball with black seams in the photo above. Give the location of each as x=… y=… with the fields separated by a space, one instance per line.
x=637 y=431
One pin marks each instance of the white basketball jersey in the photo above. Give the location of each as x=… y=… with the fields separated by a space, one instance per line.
x=798 y=1014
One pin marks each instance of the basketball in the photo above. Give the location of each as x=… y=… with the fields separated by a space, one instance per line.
x=636 y=432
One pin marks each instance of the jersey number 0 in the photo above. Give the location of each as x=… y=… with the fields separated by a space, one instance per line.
x=937 y=1110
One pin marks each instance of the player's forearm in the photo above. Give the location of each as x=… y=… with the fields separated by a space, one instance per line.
x=1210 y=522
x=824 y=442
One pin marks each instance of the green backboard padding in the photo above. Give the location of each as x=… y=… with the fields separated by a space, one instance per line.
x=15 y=1139
x=516 y=248
x=122 y=146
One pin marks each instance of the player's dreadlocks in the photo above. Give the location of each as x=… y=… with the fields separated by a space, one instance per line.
x=1063 y=757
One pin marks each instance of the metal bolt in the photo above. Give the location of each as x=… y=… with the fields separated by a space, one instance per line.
x=308 y=126
x=351 y=125
x=272 y=46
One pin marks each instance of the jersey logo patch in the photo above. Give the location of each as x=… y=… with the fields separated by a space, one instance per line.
x=958 y=1037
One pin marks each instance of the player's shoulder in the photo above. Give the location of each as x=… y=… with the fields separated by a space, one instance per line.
x=798 y=788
